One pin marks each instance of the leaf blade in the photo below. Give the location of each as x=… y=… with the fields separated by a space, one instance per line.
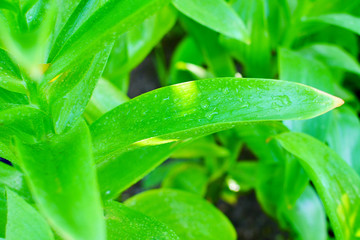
x=340 y=195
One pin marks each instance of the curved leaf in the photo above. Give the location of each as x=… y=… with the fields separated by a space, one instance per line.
x=160 y=120
x=205 y=106
x=188 y=215
x=336 y=182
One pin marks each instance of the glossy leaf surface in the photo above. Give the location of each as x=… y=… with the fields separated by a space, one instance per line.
x=189 y=110
x=340 y=195
x=188 y=215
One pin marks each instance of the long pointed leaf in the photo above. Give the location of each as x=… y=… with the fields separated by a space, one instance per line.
x=158 y=121
x=336 y=182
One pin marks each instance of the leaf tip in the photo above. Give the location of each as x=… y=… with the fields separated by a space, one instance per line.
x=338 y=102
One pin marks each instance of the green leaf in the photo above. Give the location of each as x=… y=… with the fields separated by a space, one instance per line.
x=338 y=184
x=308 y=217
x=111 y=20
x=245 y=174
x=333 y=56
x=186 y=52
x=104 y=98
x=71 y=15
x=3 y=211
x=70 y=95
x=343 y=20
x=10 y=99
x=214 y=14
x=256 y=56
x=187 y=177
x=218 y=60
x=295 y=67
x=203 y=147
x=61 y=176
x=124 y=223
x=13 y=179
x=10 y=78
x=24 y=222
x=26 y=122
x=132 y=47
x=188 y=215
x=344 y=136
x=186 y=111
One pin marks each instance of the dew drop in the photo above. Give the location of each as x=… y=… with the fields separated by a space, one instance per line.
x=225 y=90
x=210 y=115
x=245 y=104
x=204 y=104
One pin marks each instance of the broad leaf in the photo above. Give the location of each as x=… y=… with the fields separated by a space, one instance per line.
x=125 y=223
x=214 y=14
x=188 y=215
x=24 y=221
x=61 y=176
x=189 y=110
x=338 y=184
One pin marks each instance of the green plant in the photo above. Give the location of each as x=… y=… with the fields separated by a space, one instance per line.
x=75 y=141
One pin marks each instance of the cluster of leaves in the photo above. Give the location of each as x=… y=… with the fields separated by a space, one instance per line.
x=75 y=141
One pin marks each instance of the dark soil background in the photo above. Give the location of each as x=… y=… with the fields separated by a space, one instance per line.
x=250 y=221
